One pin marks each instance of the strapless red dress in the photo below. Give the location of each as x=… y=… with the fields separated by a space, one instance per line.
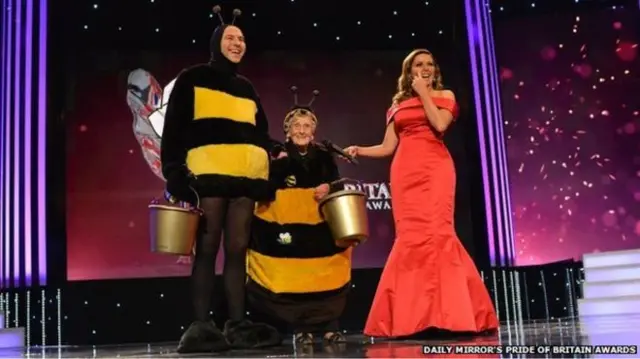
x=429 y=280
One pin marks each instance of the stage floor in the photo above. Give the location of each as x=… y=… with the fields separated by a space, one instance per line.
x=610 y=330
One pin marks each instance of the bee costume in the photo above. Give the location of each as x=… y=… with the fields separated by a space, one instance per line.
x=215 y=143
x=298 y=277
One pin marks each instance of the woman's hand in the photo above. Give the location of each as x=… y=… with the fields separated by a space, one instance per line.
x=352 y=151
x=321 y=191
x=420 y=85
x=282 y=154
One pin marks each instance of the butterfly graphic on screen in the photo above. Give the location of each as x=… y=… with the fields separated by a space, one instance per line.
x=148 y=103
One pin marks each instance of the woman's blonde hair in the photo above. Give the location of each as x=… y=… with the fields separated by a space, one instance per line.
x=405 y=91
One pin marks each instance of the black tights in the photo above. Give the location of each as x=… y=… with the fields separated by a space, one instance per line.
x=233 y=216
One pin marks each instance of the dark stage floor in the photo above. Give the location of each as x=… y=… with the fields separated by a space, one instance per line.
x=610 y=330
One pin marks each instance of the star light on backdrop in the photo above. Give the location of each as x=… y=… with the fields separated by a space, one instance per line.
x=343 y=27
x=573 y=133
x=310 y=25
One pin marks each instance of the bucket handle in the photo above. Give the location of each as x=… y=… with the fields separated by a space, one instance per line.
x=340 y=181
x=171 y=199
x=197 y=198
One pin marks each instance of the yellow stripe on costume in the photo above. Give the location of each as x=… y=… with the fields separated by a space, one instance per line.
x=209 y=103
x=292 y=206
x=300 y=275
x=238 y=160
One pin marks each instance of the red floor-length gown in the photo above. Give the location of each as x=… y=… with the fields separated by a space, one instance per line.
x=429 y=280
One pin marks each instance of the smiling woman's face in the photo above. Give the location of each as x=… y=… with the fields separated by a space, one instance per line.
x=301 y=130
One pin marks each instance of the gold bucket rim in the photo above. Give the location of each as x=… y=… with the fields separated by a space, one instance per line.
x=341 y=193
x=174 y=208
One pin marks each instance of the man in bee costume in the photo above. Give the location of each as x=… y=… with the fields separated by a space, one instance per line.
x=215 y=151
x=297 y=275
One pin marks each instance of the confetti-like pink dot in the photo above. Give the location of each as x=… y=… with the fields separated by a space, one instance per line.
x=506 y=73
x=584 y=70
x=617 y=25
x=636 y=196
x=548 y=53
x=630 y=128
x=130 y=151
x=83 y=128
x=131 y=224
x=637 y=229
x=609 y=219
x=627 y=51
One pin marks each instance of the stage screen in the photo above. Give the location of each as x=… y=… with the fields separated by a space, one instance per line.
x=571 y=111
x=109 y=183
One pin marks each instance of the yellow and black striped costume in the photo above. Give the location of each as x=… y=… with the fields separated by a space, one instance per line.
x=297 y=275
x=216 y=127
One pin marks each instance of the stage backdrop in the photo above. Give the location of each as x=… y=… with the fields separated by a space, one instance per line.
x=109 y=184
x=571 y=110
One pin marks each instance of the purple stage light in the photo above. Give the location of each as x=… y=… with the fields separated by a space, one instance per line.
x=489 y=119
x=17 y=143
x=28 y=215
x=495 y=130
x=18 y=194
x=472 y=34
x=42 y=142
x=3 y=74
x=6 y=124
x=504 y=164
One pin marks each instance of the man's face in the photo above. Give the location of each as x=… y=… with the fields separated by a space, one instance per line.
x=232 y=45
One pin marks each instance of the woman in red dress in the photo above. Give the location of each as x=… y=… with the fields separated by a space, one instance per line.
x=429 y=280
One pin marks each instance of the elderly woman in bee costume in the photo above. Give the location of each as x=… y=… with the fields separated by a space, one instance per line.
x=297 y=275
x=215 y=151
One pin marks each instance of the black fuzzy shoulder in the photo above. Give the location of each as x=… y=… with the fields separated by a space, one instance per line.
x=192 y=73
x=245 y=82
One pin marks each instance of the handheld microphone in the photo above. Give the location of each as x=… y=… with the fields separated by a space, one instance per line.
x=332 y=147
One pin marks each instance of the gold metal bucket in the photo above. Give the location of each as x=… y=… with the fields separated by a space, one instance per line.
x=346 y=213
x=173 y=228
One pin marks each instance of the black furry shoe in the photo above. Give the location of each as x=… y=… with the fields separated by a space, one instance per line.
x=202 y=337
x=244 y=334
